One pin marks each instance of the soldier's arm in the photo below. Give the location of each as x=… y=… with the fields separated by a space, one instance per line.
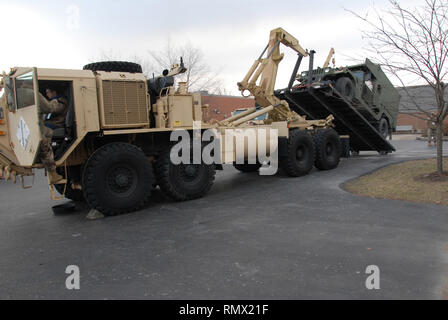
x=49 y=106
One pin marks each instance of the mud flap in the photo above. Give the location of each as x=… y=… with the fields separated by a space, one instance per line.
x=345 y=146
x=282 y=146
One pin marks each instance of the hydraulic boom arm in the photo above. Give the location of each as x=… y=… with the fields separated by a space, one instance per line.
x=330 y=55
x=261 y=78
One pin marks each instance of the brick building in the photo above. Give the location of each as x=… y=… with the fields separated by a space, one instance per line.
x=221 y=107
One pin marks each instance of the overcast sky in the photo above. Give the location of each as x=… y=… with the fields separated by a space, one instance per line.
x=231 y=34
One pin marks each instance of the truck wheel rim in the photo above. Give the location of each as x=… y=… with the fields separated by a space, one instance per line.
x=329 y=149
x=347 y=90
x=122 y=180
x=300 y=153
x=189 y=172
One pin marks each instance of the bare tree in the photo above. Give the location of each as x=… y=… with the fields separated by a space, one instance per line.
x=199 y=75
x=412 y=42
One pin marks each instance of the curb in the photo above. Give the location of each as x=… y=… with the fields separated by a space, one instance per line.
x=426 y=139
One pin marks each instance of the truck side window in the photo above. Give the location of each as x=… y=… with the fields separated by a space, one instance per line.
x=24 y=90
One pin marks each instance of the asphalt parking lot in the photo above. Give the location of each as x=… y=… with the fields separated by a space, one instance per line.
x=252 y=237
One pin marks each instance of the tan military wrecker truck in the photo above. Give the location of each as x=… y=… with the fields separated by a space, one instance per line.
x=116 y=145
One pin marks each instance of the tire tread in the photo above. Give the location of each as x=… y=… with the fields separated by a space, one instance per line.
x=96 y=160
x=162 y=173
x=117 y=66
x=319 y=140
x=288 y=163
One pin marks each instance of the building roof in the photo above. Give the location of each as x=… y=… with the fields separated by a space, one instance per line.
x=423 y=96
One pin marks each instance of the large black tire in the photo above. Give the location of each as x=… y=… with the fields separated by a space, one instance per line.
x=184 y=181
x=345 y=87
x=246 y=167
x=117 y=179
x=299 y=158
x=70 y=193
x=327 y=145
x=117 y=66
x=383 y=127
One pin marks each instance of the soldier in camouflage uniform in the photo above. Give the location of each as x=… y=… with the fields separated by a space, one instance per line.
x=52 y=116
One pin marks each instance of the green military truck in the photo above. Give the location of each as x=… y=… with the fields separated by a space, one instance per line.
x=366 y=87
x=362 y=99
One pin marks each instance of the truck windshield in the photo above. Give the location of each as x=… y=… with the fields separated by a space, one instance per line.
x=24 y=90
x=359 y=75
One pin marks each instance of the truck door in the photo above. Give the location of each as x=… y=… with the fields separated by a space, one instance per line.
x=23 y=116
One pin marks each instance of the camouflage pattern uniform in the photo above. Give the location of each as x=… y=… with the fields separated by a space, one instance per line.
x=57 y=110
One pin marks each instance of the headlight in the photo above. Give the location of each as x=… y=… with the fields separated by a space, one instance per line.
x=327 y=70
x=304 y=74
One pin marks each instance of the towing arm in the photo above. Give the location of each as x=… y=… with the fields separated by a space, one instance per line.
x=261 y=78
x=330 y=55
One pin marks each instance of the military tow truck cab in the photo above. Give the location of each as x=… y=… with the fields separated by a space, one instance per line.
x=114 y=116
x=99 y=102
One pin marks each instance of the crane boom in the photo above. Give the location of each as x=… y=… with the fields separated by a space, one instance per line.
x=330 y=55
x=261 y=77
